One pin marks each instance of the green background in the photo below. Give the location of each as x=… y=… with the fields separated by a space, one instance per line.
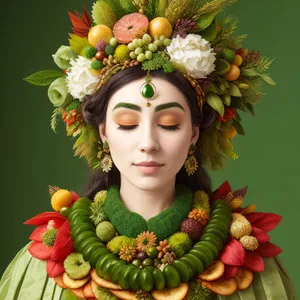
x=32 y=156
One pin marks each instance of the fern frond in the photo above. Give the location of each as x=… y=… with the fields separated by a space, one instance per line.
x=264 y=64
x=53 y=121
x=215 y=6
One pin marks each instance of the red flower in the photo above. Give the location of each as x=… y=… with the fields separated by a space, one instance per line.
x=229 y=114
x=235 y=256
x=56 y=246
x=81 y=23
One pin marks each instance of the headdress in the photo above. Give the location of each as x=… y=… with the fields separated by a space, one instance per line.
x=187 y=36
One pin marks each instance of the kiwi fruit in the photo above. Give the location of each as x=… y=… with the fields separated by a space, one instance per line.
x=76 y=267
x=102 y=293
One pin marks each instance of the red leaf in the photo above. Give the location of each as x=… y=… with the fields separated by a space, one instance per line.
x=233 y=253
x=81 y=23
x=44 y=218
x=268 y=249
x=253 y=261
x=54 y=269
x=75 y=196
x=222 y=191
x=63 y=244
x=40 y=251
x=36 y=235
x=241 y=192
x=260 y=235
x=264 y=221
x=230 y=272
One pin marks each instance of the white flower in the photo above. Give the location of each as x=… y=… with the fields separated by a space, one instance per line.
x=80 y=80
x=192 y=55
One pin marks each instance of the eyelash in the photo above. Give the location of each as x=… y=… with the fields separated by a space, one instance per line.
x=129 y=127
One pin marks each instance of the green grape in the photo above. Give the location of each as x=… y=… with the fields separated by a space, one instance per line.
x=167 y=42
x=141 y=57
x=132 y=55
x=131 y=46
x=147 y=39
x=113 y=41
x=162 y=38
x=158 y=43
x=148 y=54
x=155 y=38
x=140 y=42
x=138 y=50
x=135 y=43
x=152 y=47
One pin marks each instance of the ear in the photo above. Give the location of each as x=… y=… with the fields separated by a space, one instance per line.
x=102 y=133
x=195 y=136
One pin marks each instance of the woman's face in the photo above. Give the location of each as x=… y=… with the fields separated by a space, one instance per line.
x=136 y=133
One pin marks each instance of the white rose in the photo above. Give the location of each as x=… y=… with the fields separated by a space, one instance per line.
x=192 y=55
x=80 y=80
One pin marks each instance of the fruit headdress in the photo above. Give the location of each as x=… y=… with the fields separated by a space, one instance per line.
x=157 y=34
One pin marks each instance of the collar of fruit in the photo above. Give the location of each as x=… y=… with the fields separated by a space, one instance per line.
x=219 y=246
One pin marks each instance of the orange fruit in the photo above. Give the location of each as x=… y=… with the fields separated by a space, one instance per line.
x=129 y=27
x=233 y=73
x=99 y=32
x=60 y=199
x=238 y=60
x=231 y=132
x=160 y=26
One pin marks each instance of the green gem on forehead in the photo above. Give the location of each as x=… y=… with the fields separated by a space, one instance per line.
x=148 y=91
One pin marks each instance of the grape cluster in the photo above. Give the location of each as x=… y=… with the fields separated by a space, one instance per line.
x=142 y=48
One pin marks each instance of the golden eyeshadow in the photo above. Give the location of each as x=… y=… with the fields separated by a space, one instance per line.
x=126 y=119
x=169 y=119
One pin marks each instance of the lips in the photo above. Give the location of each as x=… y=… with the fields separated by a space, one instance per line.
x=149 y=164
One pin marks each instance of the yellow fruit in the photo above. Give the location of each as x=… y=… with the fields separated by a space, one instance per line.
x=233 y=73
x=231 y=132
x=238 y=60
x=60 y=199
x=213 y=272
x=160 y=26
x=99 y=32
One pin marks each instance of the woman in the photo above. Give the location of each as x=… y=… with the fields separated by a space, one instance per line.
x=151 y=231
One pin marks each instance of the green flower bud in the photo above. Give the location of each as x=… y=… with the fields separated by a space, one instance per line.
x=63 y=56
x=49 y=237
x=58 y=92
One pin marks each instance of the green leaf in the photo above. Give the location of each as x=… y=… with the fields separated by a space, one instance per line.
x=250 y=107
x=68 y=295
x=44 y=78
x=226 y=99
x=215 y=102
x=239 y=128
x=53 y=122
x=248 y=73
x=205 y=21
x=128 y=6
x=210 y=33
x=234 y=90
x=267 y=79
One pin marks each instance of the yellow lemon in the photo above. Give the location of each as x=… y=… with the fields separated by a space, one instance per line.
x=60 y=199
x=160 y=26
x=99 y=32
x=233 y=73
x=238 y=60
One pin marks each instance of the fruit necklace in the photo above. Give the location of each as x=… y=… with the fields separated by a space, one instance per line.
x=140 y=261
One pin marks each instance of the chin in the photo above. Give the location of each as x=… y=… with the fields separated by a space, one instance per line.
x=149 y=183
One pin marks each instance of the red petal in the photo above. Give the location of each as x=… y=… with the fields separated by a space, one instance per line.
x=87 y=17
x=233 y=253
x=63 y=244
x=36 y=235
x=54 y=269
x=253 y=261
x=268 y=250
x=44 y=218
x=260 y=235
x=264 y=221
x=75 y=196
x=222 y=191
x=230 y=272
x=241 y=192
x=40 y=251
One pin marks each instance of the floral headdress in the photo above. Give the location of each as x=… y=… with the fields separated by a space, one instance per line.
x=182 y=35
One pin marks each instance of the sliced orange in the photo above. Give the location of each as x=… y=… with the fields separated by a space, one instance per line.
x=75 y=283
x=124 y=294
x=178 y=293
x=244 y=278
x=59 y=281
x=87 y=290
x=213 y=272
x=221 y=287
x=104 y=283
x=78 y=292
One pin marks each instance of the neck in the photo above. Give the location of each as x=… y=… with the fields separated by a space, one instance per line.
x=147 y=203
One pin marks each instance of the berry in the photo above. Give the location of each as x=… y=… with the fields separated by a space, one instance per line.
x=97 y=65
x=141 y=57
x=138 y=51
x=89 y=52
x=113 y=42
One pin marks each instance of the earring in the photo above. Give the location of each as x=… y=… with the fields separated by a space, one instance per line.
x=105 y=158
x=191 y=163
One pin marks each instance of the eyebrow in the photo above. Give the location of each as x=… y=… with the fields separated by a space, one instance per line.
x=157 y=108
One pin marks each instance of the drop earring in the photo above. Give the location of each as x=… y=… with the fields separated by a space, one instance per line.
x=191 y=163
x=105 y=158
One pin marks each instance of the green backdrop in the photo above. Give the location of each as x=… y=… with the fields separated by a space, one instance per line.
x=32 y=156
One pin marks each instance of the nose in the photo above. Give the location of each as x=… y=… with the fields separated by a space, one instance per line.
x=148 y=142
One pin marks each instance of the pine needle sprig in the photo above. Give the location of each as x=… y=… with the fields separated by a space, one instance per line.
x=53 y=121
x=263 y=64
x=215 y=6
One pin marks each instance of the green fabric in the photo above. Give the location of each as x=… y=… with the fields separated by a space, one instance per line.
x=163 y=225
x=271 y=284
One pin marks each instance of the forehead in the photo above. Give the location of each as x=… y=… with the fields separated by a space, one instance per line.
x=165 y=92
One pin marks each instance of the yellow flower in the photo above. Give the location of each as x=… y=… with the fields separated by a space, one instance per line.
x=145 y=240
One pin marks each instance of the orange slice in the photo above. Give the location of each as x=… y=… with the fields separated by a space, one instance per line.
x=59 y=281
x=171 y=294
x=87 y=290
x=221 y=287
x=104 y=283
x=78 y=292
x=213 y=272
x=124 y=294
x=244 y=278
x=74 y=283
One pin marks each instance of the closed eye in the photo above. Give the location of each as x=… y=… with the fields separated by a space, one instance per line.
x=130 y=127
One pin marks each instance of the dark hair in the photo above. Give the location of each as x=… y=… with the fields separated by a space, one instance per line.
x=94 y=112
